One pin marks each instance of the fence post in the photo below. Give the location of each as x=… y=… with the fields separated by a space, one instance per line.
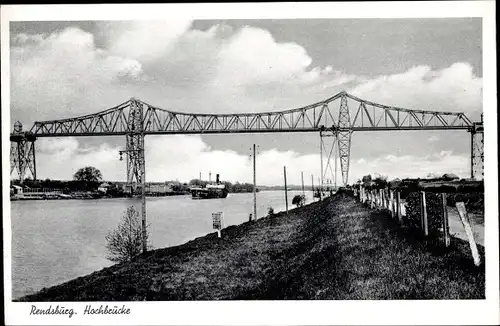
x=386 y=196
x=381 y=198
x=464 y=217
x=391 y=202
x=446 y=230
x=398 y=205
x=384 y=199
x=423 y=214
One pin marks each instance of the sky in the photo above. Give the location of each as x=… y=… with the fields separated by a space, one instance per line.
x=66 y=69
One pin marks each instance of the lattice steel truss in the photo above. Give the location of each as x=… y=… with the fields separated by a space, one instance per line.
x=365 y=116
x=22 y=153
x=135 y=119
x=136 y=163
x=344 y=138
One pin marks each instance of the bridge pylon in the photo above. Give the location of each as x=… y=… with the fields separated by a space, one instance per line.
x=344 y=138
x=134 y=147
x=22 y=153
x=477 y=150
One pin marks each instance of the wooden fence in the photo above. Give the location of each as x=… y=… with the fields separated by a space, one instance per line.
x=424 y=207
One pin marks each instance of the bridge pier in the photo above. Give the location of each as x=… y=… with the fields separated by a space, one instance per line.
x=22 y=152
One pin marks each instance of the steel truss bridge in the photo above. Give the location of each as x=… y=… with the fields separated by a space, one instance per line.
x=338 y=117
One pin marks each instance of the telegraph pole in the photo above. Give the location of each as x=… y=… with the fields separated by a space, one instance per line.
x=336 y=165
x=286 y=190
x=254 y=186
x=302 y=176
x=320 y=190
x=321 y=157
x=312 y=186
x=143 y=198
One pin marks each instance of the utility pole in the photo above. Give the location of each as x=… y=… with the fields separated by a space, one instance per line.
x=336 y=164
x=312 y=186
x=302 y=176
x=254 y=186
x=321 y=157
x=143 y=198
x=320 y=190
x=286 y=190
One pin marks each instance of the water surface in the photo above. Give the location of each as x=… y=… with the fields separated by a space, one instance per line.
x=54 y=241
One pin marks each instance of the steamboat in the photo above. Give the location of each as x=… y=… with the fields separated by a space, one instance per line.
x=210 y=191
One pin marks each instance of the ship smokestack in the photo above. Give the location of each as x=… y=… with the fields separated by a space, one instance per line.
x=217 y=178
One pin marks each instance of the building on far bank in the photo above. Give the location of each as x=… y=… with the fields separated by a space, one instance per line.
x=16 y=189
x=152 y=188
x=103 y=187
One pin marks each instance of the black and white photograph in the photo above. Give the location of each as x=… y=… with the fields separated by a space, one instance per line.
x=250 y=163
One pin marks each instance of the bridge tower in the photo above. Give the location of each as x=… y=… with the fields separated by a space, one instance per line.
x=344 y=138
x=22 y=152
x=134 y=150
x=477 y=150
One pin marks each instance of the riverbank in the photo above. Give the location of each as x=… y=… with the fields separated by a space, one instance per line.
x=334 y=249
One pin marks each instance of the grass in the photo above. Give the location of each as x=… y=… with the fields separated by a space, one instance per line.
x=335 y=249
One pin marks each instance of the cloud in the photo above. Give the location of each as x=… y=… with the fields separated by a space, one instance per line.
x=143 y=40
x=454 y=89
x=64 y=75
x=412 y=166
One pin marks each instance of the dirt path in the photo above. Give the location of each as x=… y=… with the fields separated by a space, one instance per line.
x=335 y=249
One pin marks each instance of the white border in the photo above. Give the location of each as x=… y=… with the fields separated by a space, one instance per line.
x=278 y=312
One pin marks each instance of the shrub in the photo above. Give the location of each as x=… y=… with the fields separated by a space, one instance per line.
x=270 y=211
x=299 y=200
x=125 y=242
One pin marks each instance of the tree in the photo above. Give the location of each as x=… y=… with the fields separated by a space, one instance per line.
x=88 y=174
x=367 y=178
x=299 y=200
x=87 y=178
x=125 y=242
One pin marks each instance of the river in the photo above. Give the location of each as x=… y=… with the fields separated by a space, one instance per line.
x=54 y=241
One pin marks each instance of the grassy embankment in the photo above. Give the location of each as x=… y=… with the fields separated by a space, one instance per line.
x=335 y=249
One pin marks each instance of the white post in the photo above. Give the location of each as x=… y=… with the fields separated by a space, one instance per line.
x=302 y=176
x=423 y=214
x=391 y=202
x=464 y=217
